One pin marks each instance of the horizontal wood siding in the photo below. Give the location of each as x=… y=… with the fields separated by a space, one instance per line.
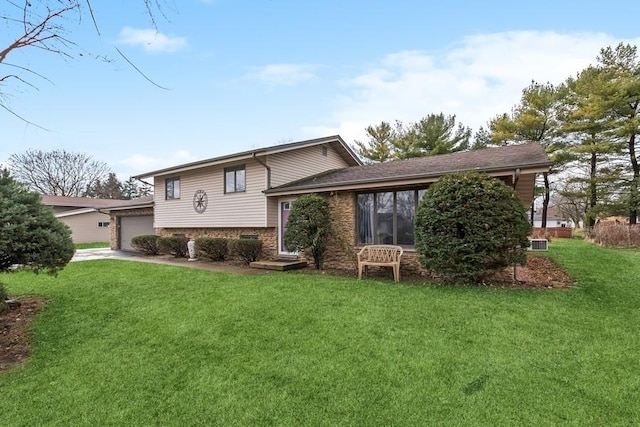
x=525 y=188
x=297 y=164
x=272 y=212
x=84 y=227
x=244 y=209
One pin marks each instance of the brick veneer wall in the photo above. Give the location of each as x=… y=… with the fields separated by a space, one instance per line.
x=268 y=235
x=113 y=222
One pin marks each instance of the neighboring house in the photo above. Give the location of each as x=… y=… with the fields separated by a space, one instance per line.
x=249 y=194
x=554 y=218
x=86 y=217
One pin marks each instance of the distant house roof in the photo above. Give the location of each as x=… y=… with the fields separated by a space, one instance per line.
x=142 y=202
x=336 y=141
x=79 y=202
x=529 y=156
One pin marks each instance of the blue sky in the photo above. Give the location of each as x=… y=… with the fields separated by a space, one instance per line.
x=246 y=74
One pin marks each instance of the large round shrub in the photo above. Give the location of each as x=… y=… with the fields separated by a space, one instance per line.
x=468 y=225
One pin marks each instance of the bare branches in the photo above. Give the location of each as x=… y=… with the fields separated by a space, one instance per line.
x=57 y=172
x=45 y=25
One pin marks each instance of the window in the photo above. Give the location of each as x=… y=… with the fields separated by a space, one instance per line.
x=234 y=179
x=387 y=217
x=172 y=188
x=103 y=224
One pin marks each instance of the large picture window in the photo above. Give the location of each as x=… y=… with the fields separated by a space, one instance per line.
x=387 y=217
x=234 y=179
x=172 y=188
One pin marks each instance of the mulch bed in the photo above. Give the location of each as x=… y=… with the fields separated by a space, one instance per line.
x=15 y=339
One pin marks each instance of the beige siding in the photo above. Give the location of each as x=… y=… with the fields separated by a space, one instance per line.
x=297 y=164
x=272 y=212
x=525 y=188
x=245 y=209
x=84 y=227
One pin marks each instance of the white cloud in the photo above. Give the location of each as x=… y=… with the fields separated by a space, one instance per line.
x=283 y=74
x=151 y=40
x=475 y=79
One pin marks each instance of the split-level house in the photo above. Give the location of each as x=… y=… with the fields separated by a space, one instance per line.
x=250 y=194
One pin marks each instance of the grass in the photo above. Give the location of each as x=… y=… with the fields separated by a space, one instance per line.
x=91 y=245
x=126 y=343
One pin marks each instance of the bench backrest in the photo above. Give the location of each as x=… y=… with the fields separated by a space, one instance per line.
x=381 y=253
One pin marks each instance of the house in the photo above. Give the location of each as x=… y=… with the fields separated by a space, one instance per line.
x=83 y=215
x=249 y=194
x=555 y=218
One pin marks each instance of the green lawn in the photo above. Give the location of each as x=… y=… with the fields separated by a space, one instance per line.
x=92 y=245
x=126 y=343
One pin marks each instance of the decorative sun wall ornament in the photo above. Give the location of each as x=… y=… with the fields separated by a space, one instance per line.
x=200 y=201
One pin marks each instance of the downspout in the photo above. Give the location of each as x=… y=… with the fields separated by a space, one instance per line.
x=267 y=167
x=516 y=178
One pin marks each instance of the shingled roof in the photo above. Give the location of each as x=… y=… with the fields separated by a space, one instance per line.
x=529 y=156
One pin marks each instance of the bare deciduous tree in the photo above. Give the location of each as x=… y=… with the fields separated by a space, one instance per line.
x=43 y=25
x=57 y=172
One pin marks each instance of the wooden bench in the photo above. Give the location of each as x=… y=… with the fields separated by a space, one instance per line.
x=380 y=256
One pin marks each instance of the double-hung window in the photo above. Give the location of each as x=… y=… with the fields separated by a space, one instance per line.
x=172 y=188
x=387 y=217
x=234 y=179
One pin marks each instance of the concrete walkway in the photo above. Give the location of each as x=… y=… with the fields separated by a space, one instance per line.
x=106 y=253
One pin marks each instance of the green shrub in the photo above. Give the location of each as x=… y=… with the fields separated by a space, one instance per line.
x=3 y=296
x=247 y=250
x=173 y=245
x=214 y=248
x=30 y=234
x=146 y=243
x=308 y=227
x=469 y=225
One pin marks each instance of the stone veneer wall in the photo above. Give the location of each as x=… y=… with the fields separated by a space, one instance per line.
x=113 y=222
x=268 y=236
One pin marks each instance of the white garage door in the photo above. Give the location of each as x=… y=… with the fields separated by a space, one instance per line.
x=131 y=226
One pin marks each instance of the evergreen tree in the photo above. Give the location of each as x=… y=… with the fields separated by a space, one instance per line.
x=433 y=134
x=109 y=188
x=30 y=235
x=588 y=130
x=622 y=67
x=379 y=146
x=534 y=118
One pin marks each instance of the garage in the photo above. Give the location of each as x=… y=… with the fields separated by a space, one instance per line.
x=131 y=226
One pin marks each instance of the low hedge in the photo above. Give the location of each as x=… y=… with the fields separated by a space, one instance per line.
x=146 y=243
x=246 y=249
x=214 y=248
x=173 y=245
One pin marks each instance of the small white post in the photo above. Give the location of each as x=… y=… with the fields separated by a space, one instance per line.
x=191 y=247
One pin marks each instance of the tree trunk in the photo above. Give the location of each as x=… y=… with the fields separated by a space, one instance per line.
x=545 y=200
x=592 y=190
x=633 y=197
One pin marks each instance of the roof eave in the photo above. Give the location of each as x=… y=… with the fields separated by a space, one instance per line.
x=245 y=155
x=404 y=180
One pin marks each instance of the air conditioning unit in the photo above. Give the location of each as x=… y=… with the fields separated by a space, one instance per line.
x=539 y=245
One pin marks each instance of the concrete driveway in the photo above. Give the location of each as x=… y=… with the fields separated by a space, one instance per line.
x=100 y=253
x=106 y=253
